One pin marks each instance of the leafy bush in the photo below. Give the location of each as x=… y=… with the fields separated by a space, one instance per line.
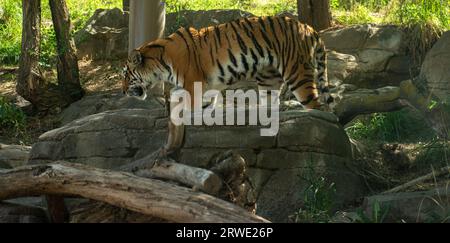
x=12 y=119
x=400 y=126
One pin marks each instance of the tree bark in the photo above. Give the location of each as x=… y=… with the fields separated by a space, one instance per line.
x=152 y=166
x=147 y=196
x=147 y=21
x=315 y=13
x=44 y=96
x=67 y=64
x=29 y=78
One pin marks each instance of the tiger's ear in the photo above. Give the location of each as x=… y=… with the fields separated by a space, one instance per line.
x=136 y=57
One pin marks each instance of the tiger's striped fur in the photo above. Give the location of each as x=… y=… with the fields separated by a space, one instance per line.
x=266 y=50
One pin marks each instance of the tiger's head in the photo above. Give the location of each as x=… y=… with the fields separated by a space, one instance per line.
x=144 y=68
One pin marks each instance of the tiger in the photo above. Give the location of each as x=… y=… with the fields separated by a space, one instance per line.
x=271 y=51
x=267 y=50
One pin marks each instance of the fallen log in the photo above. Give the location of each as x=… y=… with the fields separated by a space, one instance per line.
x=387 y=99
x=142 y=195
x=155 y=167
x=434 y=174
x=367 y=101
x=7 y=70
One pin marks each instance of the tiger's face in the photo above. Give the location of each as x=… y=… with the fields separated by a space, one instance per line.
x=141 y=73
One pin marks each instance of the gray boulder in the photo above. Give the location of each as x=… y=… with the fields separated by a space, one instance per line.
x=308 y=142
x=435 y=68
x=13 y=155
x=105 y=140
x=105 y=35
x=94 y=104
x=14 y=213
x=368 y=56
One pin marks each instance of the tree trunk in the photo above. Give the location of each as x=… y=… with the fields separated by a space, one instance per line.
x=44 y=96
x=29 y=78
x=315 y=13
x=147 y=21
x=146 y=196
x=67 y=65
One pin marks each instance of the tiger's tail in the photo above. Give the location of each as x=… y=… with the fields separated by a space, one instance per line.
x=322 y=74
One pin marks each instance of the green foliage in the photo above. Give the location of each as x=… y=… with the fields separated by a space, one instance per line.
x=358 y=14
x=378 y=215
x=435 y=153
x=420 y=12
x=318 y=201
x=258 y=7
x=400 y=126
x=431 y=15
x=374 y=5
x=10 y=29
x=11 y=26
x=426 y=18
x=12 y=119
x=425 y=21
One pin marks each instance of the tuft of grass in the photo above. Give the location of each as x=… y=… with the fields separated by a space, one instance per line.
x=12 y=119
x=399 y=126
x=424 y=22
x=435 y=153
x=318 y=200
x=378 y=215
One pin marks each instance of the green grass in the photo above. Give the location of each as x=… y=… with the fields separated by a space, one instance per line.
x=12 y=119
x=318 y=199
x=257 y=7
x=400 y=126
x=435 y=153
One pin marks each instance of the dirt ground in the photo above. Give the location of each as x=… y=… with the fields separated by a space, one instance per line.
x=96 y=77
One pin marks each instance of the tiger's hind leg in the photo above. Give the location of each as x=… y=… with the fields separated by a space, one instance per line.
x=301 y=83
x=267 y=80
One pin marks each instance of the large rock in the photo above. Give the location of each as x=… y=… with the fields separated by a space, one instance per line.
x=95 y=104
x=13 y=213
x=13 y=155
x=368 y=56
x=106 y=140
x=435 y=68
x=307 y=141
x=105 y=35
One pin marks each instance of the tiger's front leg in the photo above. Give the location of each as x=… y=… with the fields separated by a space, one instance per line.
x=175 y=132
x=174 y=139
